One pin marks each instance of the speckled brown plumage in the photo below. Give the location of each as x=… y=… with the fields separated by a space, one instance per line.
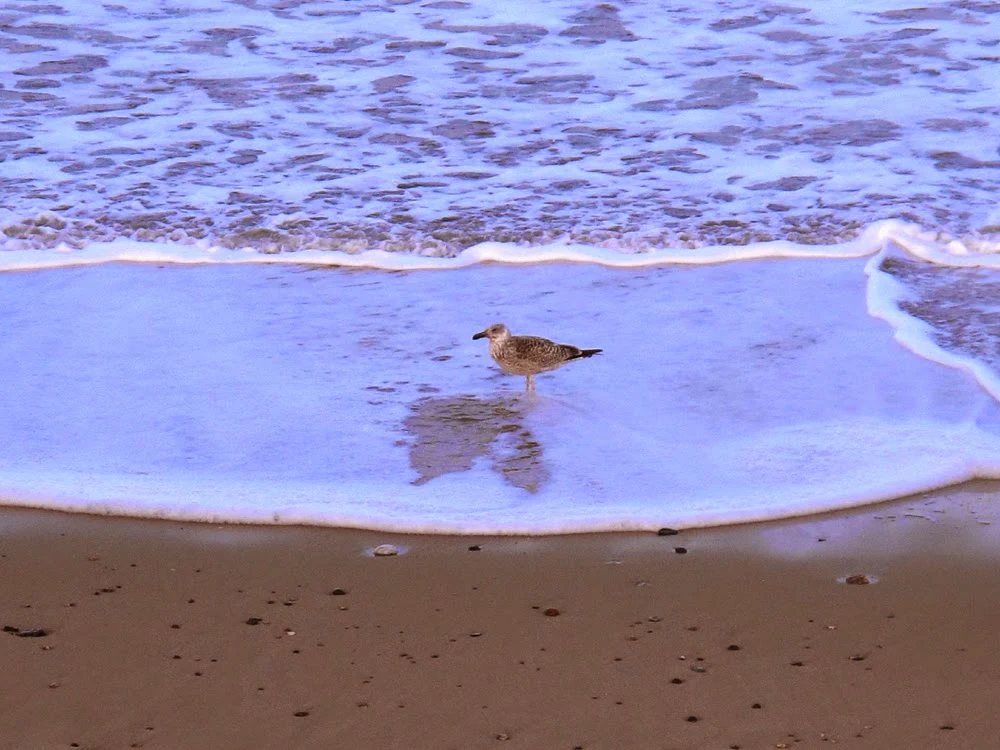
x=529 y=355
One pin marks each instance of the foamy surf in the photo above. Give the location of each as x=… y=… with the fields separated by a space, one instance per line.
x=436 y=126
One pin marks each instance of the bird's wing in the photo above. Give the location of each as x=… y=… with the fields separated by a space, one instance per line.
x=543 y=352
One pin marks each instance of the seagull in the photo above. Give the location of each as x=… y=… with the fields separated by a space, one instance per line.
x=529 y=355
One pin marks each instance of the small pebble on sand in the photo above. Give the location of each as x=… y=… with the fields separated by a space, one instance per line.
x=385 y=550
x=551 y=612
x=858 y=580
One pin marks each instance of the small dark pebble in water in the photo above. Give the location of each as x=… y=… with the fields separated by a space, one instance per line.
x=253 y=621
x=858 y=657
x=338 y=592
x=681 y=550
x=732 y=647
x=692 y=718
x=677 y=681
x=475 y=548
x=755 y=705
x=667 y=532
x=947 y=726
x=551 y=612
x=798 y=664
x=858 y=580
x=300 y=714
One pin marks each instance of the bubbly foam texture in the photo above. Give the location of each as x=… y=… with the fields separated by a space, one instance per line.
x=430 y=127
x=289 y=393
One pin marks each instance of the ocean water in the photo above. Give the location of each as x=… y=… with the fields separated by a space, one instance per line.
x=244 y=246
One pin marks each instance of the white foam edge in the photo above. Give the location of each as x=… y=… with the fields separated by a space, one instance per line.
x=884 y=294
x=871 y=240
x=290 y=516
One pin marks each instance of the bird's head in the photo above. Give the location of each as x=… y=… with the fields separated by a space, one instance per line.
x=495 y=331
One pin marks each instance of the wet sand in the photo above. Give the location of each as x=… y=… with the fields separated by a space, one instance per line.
x=170 y=635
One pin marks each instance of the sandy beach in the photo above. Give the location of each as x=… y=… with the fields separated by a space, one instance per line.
x=122 y=633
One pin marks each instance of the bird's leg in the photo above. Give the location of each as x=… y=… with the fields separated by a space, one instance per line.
x=529 y=386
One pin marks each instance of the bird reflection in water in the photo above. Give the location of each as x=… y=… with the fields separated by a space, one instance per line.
x=449 y=434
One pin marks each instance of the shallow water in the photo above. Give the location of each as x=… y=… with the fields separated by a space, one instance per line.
x=726 y=392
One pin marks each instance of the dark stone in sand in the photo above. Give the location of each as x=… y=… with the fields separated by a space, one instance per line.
x=33 y=633
x=946 y=726
x=732 y=647
x=755 y=705
x=681 y=550
x=253 y=621
x=692 y=718
x=858 y=580
x=338 y=592
x=677 y=681
x=300 y=714
x=475 y=548
x=667 y=532
x=26 y=632
x=551 y=612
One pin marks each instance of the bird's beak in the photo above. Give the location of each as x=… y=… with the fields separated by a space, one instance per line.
x=480 y=335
